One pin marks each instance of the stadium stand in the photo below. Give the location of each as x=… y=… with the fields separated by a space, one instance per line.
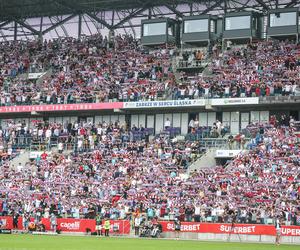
x=87 y=72
x=114 y=177
x=146 y=150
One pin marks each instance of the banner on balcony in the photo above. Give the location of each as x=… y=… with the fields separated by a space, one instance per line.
x=165 y=104
x=235 y=101
x=62 y=107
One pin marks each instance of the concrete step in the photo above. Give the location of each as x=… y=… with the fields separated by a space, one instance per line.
x=22 y=158
x=205 y=161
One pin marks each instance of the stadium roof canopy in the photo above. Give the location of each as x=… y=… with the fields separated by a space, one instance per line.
x=11 y=9
x=112 y=14
x=37 y=8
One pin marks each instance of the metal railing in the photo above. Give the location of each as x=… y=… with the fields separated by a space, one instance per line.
x=183 y=64
x=223 y=143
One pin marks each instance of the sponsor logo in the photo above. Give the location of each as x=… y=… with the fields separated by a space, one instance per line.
x=235 y=101
x=237 y=229
x=154 y=104
x=70 y=226
x=185 y=228
x=290 y=231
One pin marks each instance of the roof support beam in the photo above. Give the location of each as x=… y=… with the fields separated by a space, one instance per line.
x=76 y=8
x=79 y=26
x=217 y=4
x=15 y=31
x=292 y=3
x=125 y=19
x=58 y=24
x=265 y=7
x=99 y=20
x=173 y=9
x=25 y=25
x=4 y=23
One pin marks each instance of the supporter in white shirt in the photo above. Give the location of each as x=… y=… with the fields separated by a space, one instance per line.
x=192 y=123
x=40 y=133
x=48 y=133
x=196 y=123
x=167 y=123
x=60 y=147
x=19 y=168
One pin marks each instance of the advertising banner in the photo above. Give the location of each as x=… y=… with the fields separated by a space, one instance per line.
x=80 y=225
x=164 y=104
x=61 y=107
x=235 y=101
x=220 y=228
x=123 y=227
x=70 y=225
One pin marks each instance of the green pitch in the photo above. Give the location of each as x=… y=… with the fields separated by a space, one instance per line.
x=38 y=242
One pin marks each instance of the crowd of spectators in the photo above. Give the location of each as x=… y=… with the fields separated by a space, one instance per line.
x=265 y=68
x=94 y=70
x=192 y=58
x=118 y=179
x=109 y=173
x=87 y=70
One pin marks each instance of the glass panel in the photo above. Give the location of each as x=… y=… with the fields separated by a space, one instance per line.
x=283 y=19
x=191 y=26
x=237 y=23
x=154 y=29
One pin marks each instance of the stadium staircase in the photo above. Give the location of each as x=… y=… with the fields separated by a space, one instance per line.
x=205 y=161
x=176 y=73
x=22 y=158
x=46 y=75
x=207 y=72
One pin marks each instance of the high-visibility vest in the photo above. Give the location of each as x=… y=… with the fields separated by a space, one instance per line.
x=107 y=224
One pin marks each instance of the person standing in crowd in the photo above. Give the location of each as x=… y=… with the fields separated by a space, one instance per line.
x=278 y=231
x=25 y=222
x=99 y=225
x=15 y=220
x=53 y=222
x=106 y=227
x=137 y=222
x=167 y=124
x=177 y=227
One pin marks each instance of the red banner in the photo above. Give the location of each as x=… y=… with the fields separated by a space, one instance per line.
x=71 y=225
x=251 y=229
x=80 y=225
x=6 y=222
x=190 y=227
x=219 y=228
x=61 y=107
x=123 y=227
x=75 y=225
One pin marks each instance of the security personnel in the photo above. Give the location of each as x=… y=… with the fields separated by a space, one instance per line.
x=106 y=227
x=99 y=225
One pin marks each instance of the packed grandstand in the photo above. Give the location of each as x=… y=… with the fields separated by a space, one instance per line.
x=87 y=72
x=113 y=175
x=118 y=170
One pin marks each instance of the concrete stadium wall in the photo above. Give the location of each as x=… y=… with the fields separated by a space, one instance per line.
x=232 y=238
